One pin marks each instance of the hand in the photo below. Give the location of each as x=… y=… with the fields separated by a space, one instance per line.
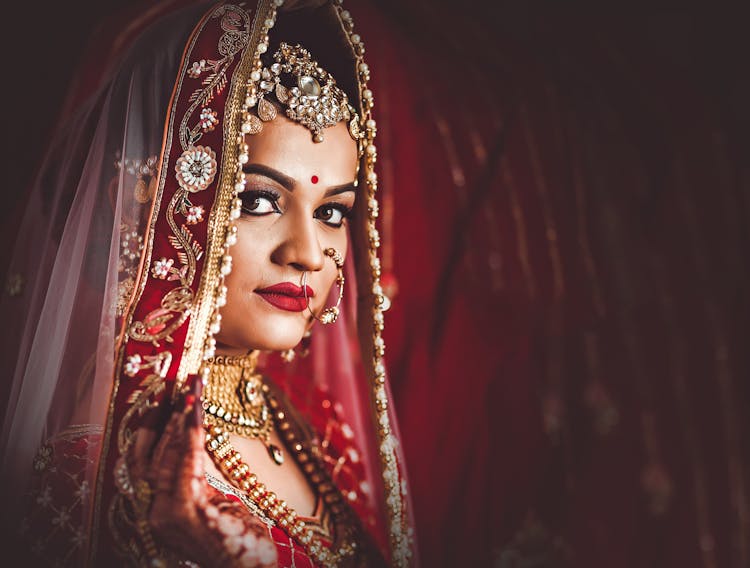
x=187 y=516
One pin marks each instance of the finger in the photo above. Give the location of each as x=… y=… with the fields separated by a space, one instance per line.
x=191 y=485
x=182 y=439
x=145 y=438
x=168 y=454
x=192 y=469
x=192 y=403
x=143 y=443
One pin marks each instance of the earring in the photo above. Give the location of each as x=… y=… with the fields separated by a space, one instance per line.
x=328 y=315
x=302 y=349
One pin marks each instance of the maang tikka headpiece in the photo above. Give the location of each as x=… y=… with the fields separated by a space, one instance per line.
x=310 y=95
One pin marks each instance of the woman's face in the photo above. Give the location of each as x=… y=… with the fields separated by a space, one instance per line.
x=295 y=204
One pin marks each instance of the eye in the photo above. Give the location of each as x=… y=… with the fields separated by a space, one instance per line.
x=332 y=214
x=259 y=203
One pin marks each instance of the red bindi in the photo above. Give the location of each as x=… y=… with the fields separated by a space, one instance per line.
x=314 y=179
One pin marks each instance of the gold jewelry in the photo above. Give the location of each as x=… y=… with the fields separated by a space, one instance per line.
x=314 y=100
x=328 y=315
x=229 y=461
x=234 y=398
x=302 y=349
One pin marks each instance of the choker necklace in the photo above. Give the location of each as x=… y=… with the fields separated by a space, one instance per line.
x=235 y=399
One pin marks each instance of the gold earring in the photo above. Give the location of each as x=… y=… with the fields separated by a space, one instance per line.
x=302 y=349
x=329 y=315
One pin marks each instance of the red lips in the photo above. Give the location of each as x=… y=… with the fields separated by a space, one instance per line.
x=287 y=296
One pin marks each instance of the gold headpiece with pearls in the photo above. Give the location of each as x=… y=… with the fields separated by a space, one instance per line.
x=310 y=95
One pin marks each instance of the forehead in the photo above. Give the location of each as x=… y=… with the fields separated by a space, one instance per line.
x=288 y=147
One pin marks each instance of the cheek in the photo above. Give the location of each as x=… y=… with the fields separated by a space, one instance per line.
x=247 y=266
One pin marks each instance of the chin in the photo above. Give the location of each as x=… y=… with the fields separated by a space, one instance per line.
x=274 y=343
x=272 y=334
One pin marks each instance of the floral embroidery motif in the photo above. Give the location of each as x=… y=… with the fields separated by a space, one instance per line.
x=133 y=365
x=83 y=491
x=208 y=119
x=61 y=519
x=43 y=458
x=162 y=268
x=131 y=245
x=45 y=497
x=78 y=539
x=60 y=493
x=159 y=363
x=196 y=69
x=194 y=214
x=196 y=168
x=235 y=24
x=533 y=545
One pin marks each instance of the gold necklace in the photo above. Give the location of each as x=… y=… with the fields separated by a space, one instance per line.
x=229 y=461
x=234 y=399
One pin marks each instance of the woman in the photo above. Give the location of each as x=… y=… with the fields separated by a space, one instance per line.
x=236 y=228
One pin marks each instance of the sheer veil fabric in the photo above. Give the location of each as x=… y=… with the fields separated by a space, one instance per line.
x=120 y=274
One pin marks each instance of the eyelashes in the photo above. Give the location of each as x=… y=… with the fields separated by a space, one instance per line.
x=333 y=214
x=261 y=202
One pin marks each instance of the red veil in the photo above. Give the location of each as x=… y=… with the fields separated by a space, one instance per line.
x=122 y=266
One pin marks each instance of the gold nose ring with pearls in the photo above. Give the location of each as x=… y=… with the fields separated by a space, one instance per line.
x=328 y=315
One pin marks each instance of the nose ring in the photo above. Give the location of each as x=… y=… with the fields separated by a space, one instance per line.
x=328 y=315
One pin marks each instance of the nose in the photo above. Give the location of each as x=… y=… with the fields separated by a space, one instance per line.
x=300 y=247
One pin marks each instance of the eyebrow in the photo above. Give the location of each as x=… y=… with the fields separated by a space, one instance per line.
x=288 y=183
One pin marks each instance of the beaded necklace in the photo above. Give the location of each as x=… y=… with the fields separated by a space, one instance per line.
x=229 y=461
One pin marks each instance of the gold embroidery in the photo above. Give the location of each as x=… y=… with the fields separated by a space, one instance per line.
x=230 y=43
x=143 y=398
x=196 y=169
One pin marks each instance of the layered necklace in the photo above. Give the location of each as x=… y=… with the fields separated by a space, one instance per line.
x=237 y=401
x=234 y=399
